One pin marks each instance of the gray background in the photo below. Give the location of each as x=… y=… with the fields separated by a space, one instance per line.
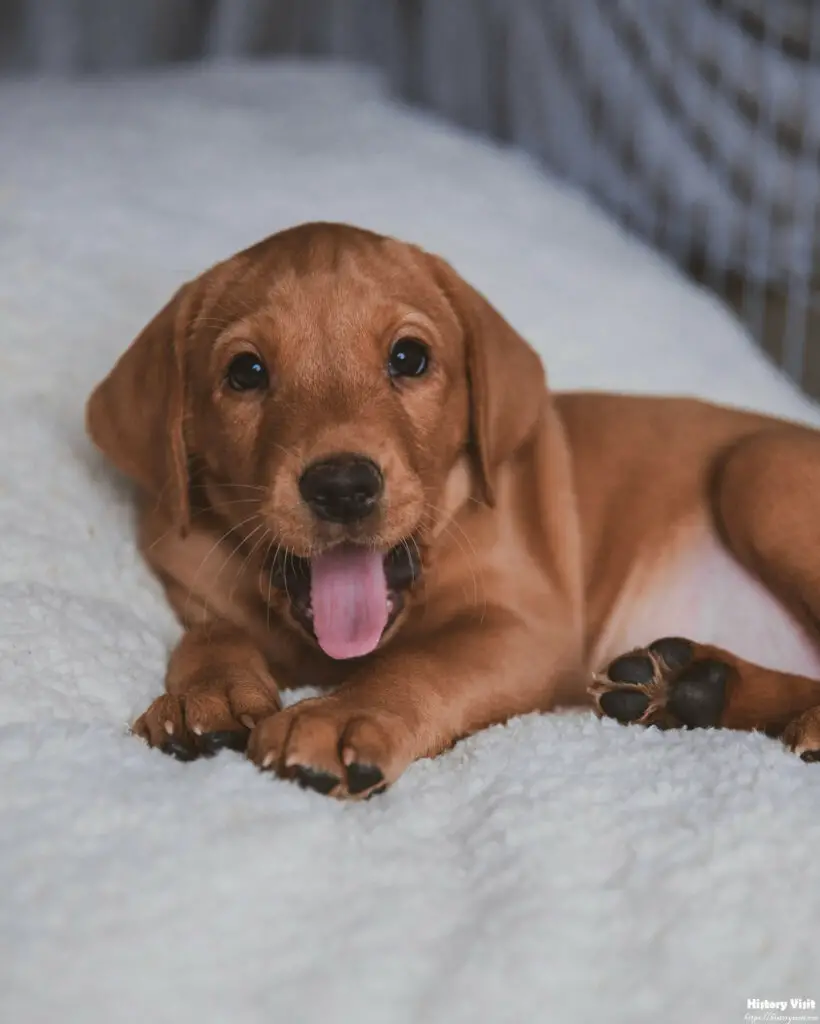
x=696 y=124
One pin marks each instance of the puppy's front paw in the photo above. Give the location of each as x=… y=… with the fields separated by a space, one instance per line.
x=671 y=683
x=207 y=718
x=333 y=746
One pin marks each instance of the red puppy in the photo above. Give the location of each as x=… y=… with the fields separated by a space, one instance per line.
x=352 y=475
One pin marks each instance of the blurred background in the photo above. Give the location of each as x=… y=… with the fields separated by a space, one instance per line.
x=696 y=124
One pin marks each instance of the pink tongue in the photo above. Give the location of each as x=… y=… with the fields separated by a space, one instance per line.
x=349 y=597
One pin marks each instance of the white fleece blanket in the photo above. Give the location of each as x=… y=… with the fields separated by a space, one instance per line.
x=555 y=869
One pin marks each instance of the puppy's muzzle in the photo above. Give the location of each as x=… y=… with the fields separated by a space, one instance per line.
x=343 y=489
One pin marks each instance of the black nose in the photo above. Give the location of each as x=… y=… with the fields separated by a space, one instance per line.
x=342 y=489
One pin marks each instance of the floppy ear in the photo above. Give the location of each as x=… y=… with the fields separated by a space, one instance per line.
x=135 y=416
x=506 y=378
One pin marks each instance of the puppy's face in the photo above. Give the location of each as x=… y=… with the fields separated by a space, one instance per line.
x=330 y=381
x=318 y=393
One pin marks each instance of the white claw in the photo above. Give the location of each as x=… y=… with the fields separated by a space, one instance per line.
x=169 y=727
x=268 y=760
x=197 y=729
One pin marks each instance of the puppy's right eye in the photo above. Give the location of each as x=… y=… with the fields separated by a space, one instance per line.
x=246 y=372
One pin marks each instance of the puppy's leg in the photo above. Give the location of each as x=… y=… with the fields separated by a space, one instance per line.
x=218 y=683
x=415 y=699
x=217 y=688
x=677 y=683
x=766 y=503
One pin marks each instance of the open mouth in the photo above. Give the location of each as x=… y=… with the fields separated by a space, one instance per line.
x=347 y=597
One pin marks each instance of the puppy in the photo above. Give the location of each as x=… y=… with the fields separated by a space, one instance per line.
x=352 y=475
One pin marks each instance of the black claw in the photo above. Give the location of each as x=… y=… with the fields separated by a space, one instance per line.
x=181 y=751
x=809 y=756
x=632 y=668
x=316 y=779
x=211 y=743
x=675 y=652
x=624 y=705
x=376 y=791
x=362 y=776
x=697 y=696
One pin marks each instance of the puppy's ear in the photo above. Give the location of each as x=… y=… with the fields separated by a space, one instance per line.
x=135 y=416
x=506 y=377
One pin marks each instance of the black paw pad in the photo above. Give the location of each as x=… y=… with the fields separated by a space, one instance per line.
x=362 y=776
x=809 y=756
x=675 y=652
x=180 y=750
x=698 y=694
x=623 y=705
x=314 y=778
x=211 y=743
x=632 y=668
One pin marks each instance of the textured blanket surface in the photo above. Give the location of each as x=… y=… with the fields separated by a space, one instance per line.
x=554 y=869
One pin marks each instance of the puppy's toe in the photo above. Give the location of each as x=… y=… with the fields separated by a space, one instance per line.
x=623 y=705
x=267 y=740
x=373 y=750
x=802 y=736
x=636 y=669
x=208 y=713
x=312 y=748
x=698 y=694
x=253 y=699
x=163 y=726
x=674 y=651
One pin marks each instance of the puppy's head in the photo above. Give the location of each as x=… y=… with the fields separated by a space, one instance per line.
x=317 y=391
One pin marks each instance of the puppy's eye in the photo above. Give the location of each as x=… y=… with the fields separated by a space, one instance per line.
x=246 y=372
x=409 y=357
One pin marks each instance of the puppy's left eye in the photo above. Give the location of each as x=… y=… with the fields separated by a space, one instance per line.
x=409 y=357
x=246 y=372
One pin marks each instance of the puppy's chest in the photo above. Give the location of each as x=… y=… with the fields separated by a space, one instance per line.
x=702 y=593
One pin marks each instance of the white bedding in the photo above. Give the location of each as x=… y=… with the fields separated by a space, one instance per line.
x=556 y=869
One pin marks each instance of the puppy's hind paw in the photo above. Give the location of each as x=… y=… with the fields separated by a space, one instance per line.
x=802 y=735
x=671 y=683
